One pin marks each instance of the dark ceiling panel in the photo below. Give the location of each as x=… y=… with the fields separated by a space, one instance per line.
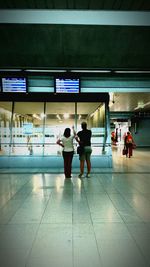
x=40 y=4
x=74 y=46
x=145 y=6
x=84 y=4
x=77 y=4
x=137 y=5
x=60 y=4
x=96 y=5
x=108 y=4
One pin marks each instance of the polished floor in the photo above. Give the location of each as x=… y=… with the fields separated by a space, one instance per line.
x=102 y=221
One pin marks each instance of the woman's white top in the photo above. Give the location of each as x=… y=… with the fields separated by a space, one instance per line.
x=68 y=143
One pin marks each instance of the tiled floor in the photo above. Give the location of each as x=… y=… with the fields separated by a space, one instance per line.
x=47 y=221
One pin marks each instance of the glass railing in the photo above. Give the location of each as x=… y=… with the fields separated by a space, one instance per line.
x=47 y=149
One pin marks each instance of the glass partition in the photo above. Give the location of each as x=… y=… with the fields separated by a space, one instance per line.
x=94 y=114
x=32 y=128
x=58 y=117
x=27 y=129
x=5 y=127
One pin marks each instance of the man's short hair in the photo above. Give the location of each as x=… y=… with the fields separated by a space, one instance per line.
x=84 y=125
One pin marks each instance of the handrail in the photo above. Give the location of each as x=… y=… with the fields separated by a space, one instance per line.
x=46 y=149
x=40 y=143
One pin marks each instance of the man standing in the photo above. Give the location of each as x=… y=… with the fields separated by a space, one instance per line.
x=84 y=139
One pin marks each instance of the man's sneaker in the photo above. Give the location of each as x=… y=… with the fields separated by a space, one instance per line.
x=88 y=175
x=81 y=175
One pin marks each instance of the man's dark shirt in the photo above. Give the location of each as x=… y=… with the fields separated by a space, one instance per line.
x=85 y=137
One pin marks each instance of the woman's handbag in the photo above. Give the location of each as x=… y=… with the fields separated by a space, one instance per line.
x=124 y=151
x=134 y=146
x=80 y=150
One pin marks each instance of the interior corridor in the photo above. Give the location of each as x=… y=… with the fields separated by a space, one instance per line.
x=46 y=220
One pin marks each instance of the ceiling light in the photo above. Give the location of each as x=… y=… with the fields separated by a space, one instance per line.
x=142 y=105
x=132 y=71
x=91 y=71
x=111 y=96
x=111 y=104
x=34 y=70
x=58 y=117
x=36 y=117
x=92 y=114
x=10 y=69
x=43 y=115
x=66 y=116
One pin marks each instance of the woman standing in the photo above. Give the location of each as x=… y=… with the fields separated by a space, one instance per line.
x=128 y=143
x=67 y=143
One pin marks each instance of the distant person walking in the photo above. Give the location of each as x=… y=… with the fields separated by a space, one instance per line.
x=128 y=143
x=29 y=145
x=113 y=138
x=84 y=139
x=68 y=150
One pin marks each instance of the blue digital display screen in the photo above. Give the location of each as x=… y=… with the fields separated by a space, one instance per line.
x=67 y=85
x=11 y=85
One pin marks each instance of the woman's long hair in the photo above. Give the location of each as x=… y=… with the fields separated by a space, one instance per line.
x=67 y=132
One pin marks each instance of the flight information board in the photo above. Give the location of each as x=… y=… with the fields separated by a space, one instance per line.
x=67 y=85
x=11 y=85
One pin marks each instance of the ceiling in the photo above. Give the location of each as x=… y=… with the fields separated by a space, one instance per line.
x=135 y=102
x=121 y=102
x=75 y=46
x=54 y=111
x=77 y=4
x=51 y=108
x=55 y=108
x=48 y=46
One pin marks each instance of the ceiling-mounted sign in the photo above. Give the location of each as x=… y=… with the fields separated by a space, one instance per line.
x=67 y=85
x=14 y=85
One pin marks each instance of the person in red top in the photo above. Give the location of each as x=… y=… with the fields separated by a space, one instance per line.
x=113 y=137
x=128 y=143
